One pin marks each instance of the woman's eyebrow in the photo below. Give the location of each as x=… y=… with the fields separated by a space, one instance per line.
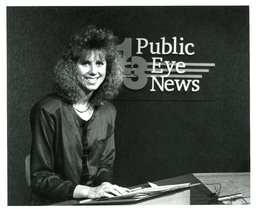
x=84 y=60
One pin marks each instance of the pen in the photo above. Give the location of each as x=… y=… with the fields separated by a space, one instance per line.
x=84 y=201
x=230 y=197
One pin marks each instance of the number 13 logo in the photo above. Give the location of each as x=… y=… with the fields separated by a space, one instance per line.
x=135 y=76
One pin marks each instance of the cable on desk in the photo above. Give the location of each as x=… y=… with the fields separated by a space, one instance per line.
x=207 y=197
x=243 y=198
x=214 y=196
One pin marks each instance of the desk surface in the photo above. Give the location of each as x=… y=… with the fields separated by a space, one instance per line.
x=231 y=183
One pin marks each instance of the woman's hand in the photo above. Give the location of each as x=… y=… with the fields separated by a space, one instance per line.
x=106 y=189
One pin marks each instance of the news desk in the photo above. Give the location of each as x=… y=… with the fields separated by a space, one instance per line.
x=220 y=183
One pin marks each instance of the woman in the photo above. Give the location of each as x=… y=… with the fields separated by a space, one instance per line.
x=73 y=146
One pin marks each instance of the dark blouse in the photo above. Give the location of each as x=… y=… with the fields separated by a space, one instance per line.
x=85 y=173
x=58 y=154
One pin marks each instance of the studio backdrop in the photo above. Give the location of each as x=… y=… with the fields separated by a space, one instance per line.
x=184 y=105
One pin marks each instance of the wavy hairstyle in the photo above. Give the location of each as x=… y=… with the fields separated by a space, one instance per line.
x=86 y=41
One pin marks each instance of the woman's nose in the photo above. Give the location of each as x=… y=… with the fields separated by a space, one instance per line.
x=93 y=69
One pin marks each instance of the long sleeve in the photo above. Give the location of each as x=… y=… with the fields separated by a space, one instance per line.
x=105 y=171
x=106 y=143
x=44 y=181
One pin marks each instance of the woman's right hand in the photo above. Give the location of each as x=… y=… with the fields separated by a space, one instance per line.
x=106 y=189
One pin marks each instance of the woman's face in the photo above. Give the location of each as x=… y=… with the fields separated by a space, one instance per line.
x=91 y=71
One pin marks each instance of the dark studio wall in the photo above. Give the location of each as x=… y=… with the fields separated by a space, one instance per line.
x=158 y=135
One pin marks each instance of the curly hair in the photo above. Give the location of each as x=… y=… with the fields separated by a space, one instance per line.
x=88 y=40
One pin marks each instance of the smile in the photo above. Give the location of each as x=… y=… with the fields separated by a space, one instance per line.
x=91 y=80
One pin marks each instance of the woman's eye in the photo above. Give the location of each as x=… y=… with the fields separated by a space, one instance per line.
x=99 y=63
x=85 y=63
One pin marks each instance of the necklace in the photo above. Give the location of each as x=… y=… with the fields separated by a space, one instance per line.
x=83 y=110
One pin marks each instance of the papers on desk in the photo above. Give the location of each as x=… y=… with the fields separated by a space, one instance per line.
x=139 y=194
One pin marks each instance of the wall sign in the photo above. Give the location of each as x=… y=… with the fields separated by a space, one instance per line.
x=154 y=67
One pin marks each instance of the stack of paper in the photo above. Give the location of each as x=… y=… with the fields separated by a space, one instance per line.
x=149 y=191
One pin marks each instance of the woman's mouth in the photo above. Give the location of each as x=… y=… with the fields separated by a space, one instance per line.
x=91 y=80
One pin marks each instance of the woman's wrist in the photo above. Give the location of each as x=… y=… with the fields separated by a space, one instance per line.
x=81 y=191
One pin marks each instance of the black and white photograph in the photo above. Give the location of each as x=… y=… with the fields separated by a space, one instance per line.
x=128 y=105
